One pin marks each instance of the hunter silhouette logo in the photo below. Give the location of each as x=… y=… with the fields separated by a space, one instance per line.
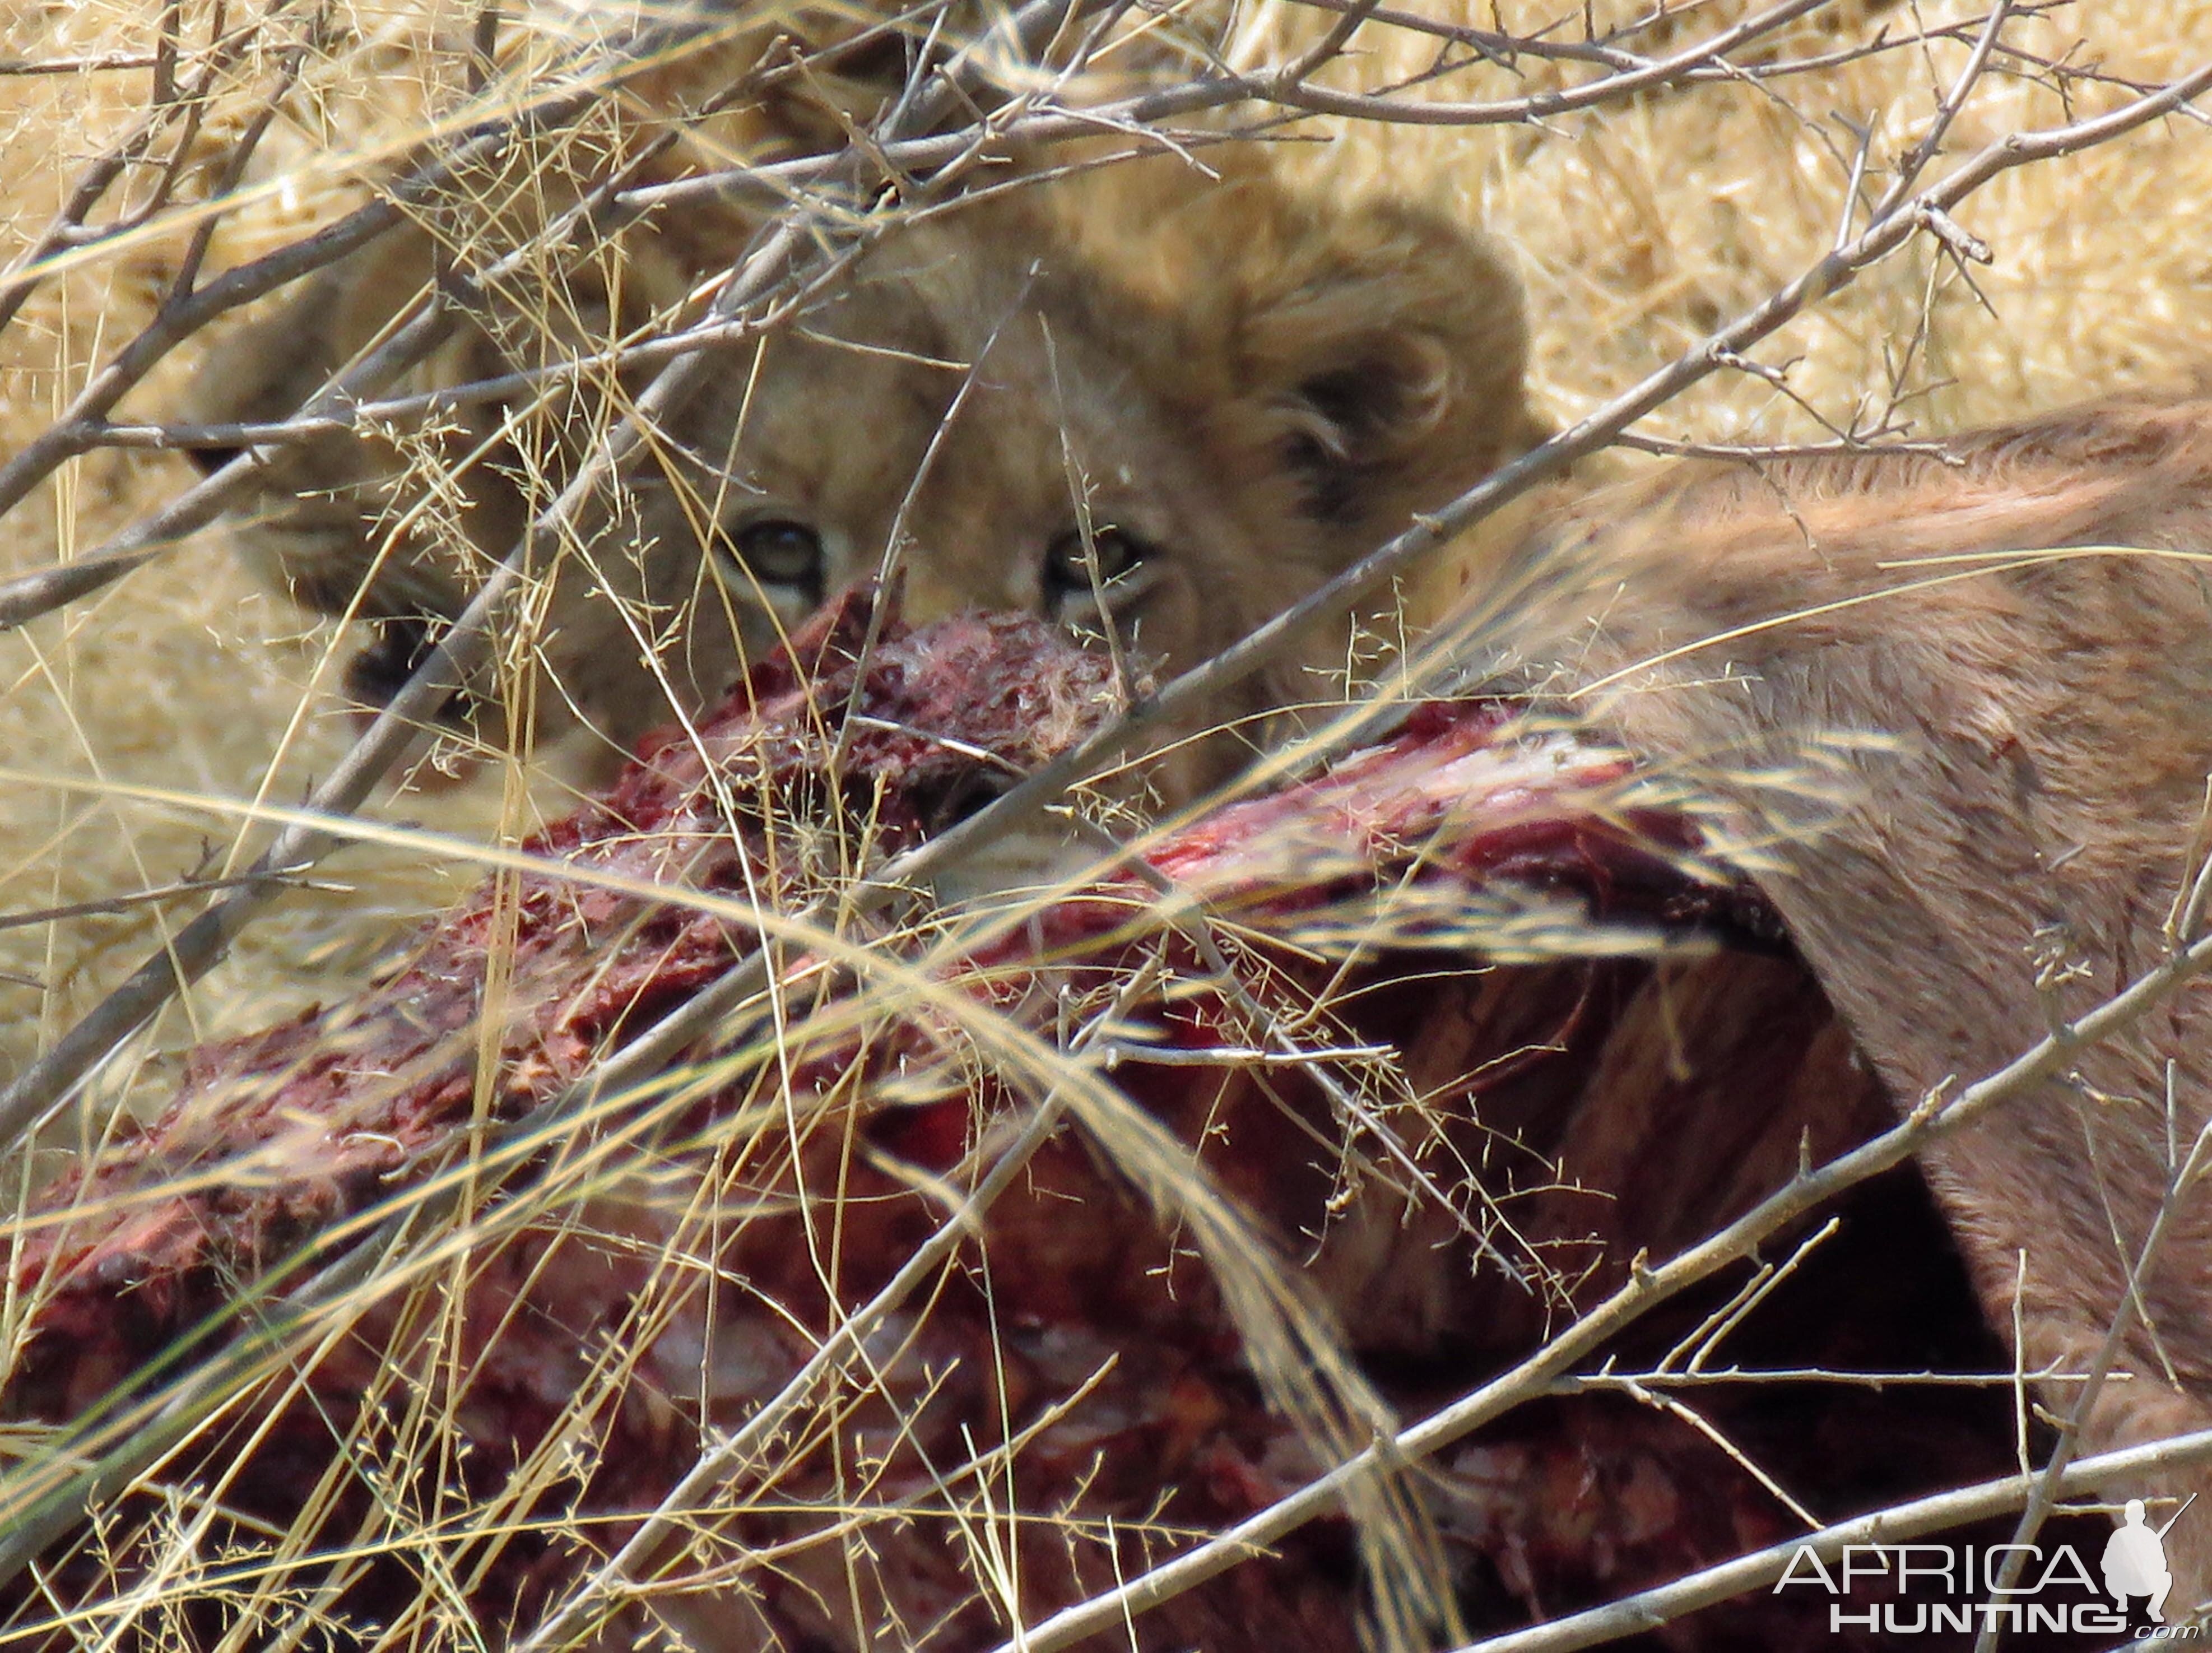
x=2135 y=1559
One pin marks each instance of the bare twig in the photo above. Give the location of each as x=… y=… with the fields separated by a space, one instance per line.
x=1647 y=1287
x=463 y=647
x=1493 y=47
x=2182 y=1179
x=1916 y=160
x=890 y=564
x=64 y=1488
x=600 y=1592
x=103 y=65
x=197 y=947
x=184 y=314
x=66 y=229
x=40 y=1085
x=1204 y=684
x=1049 y=123
x=339 y=407
x=112 y=906
x=1537 y=106
x=1649 y=1609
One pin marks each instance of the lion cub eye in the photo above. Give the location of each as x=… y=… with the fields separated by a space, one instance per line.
x=1065 y=575
x=779 y=552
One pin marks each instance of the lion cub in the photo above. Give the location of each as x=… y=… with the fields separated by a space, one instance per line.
x=2014 y=646
x=1186 y=400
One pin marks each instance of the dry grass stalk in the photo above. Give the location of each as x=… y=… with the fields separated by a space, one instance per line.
x=248 y=140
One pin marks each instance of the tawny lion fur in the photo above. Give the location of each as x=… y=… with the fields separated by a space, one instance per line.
x=1243 y=385
x=2005 y=853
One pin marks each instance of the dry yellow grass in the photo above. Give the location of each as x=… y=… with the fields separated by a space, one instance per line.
x=1641 y=228
x=1638 y=228
x=187 y=678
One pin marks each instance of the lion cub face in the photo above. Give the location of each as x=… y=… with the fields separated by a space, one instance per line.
x=1139 y=399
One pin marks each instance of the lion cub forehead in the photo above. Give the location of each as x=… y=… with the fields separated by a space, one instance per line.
x=1007 y=342
x=948 y=300
x=845 y=413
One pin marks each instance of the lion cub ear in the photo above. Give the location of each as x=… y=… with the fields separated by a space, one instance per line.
x=1376 y=360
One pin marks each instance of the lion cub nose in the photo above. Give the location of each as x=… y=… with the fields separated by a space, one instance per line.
x=935 y=588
